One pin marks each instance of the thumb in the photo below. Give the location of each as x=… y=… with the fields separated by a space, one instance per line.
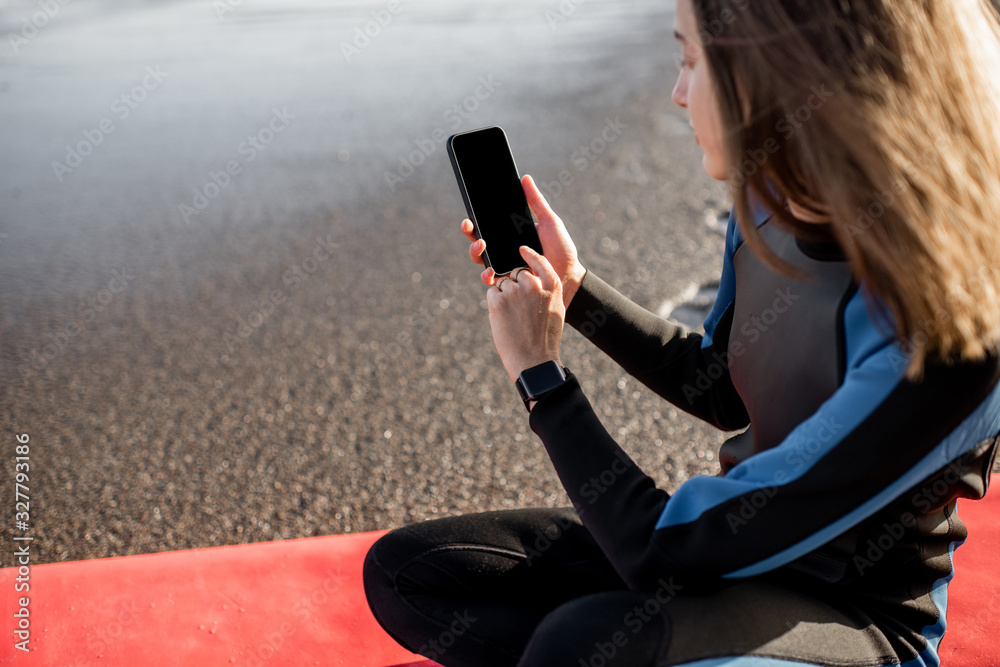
x=536 y=200
x=540 y=267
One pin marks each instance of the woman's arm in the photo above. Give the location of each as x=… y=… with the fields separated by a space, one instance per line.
x=875 y=438
x=690 y=371
x=679 y=365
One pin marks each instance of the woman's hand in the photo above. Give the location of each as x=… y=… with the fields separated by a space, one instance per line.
x=558 y=247
x=526 y=314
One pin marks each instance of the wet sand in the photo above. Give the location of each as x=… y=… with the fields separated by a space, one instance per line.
x=313 y=356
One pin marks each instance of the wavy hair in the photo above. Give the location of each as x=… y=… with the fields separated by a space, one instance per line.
x=882 y=116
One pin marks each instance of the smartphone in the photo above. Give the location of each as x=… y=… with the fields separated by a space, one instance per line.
x=494 y=198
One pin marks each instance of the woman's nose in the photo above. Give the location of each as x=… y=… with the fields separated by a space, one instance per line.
x=680 y=91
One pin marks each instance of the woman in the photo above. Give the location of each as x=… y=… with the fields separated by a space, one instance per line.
x=854 y=333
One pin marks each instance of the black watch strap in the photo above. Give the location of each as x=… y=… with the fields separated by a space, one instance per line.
x=539 y=380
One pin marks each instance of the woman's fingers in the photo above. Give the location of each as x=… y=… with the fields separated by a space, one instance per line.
x=536 y=200
x=478 y=245
x=540 y=267
x=476 y=251
x=468 y=229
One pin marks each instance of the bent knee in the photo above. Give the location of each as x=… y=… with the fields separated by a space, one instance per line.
x=386 y=603
x=380 y=568
x=598 y=630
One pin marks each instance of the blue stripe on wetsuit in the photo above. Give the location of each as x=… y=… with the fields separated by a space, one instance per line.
x=873 y=372
x=875 y=367
x=865 y=386
x=727 y=282
x=819 y=484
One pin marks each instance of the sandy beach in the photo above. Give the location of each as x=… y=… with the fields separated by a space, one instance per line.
x=305 y=350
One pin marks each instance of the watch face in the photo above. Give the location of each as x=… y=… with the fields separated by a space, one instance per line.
x=542 y=378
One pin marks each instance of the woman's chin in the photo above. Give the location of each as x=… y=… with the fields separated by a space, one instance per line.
x=714 y=169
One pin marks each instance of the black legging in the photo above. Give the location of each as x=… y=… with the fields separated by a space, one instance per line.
x=531 y=587
x=500 y=573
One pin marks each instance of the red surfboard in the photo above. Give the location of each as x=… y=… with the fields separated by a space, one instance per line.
x=301 y=602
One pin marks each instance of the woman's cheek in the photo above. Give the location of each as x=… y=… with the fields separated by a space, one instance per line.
x=703 y=104
x=715 y=166
x=714 y=158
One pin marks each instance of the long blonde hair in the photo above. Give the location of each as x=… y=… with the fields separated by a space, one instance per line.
x=884 y=116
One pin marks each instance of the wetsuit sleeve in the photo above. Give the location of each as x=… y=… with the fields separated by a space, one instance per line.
x=679 y=365
x=876 y=437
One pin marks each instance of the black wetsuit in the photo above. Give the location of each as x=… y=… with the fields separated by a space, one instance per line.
x=826 y=540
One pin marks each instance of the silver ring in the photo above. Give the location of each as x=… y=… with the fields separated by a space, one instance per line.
x=516 y=272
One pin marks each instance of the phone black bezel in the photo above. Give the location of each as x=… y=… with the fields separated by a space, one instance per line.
x=465 y=195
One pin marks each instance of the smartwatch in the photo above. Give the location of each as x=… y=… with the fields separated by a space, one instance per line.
x=539 y=380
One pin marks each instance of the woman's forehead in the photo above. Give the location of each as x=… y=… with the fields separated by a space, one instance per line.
x=685 y=26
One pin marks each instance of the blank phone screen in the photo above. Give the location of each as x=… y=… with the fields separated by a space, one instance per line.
x=499 y=209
